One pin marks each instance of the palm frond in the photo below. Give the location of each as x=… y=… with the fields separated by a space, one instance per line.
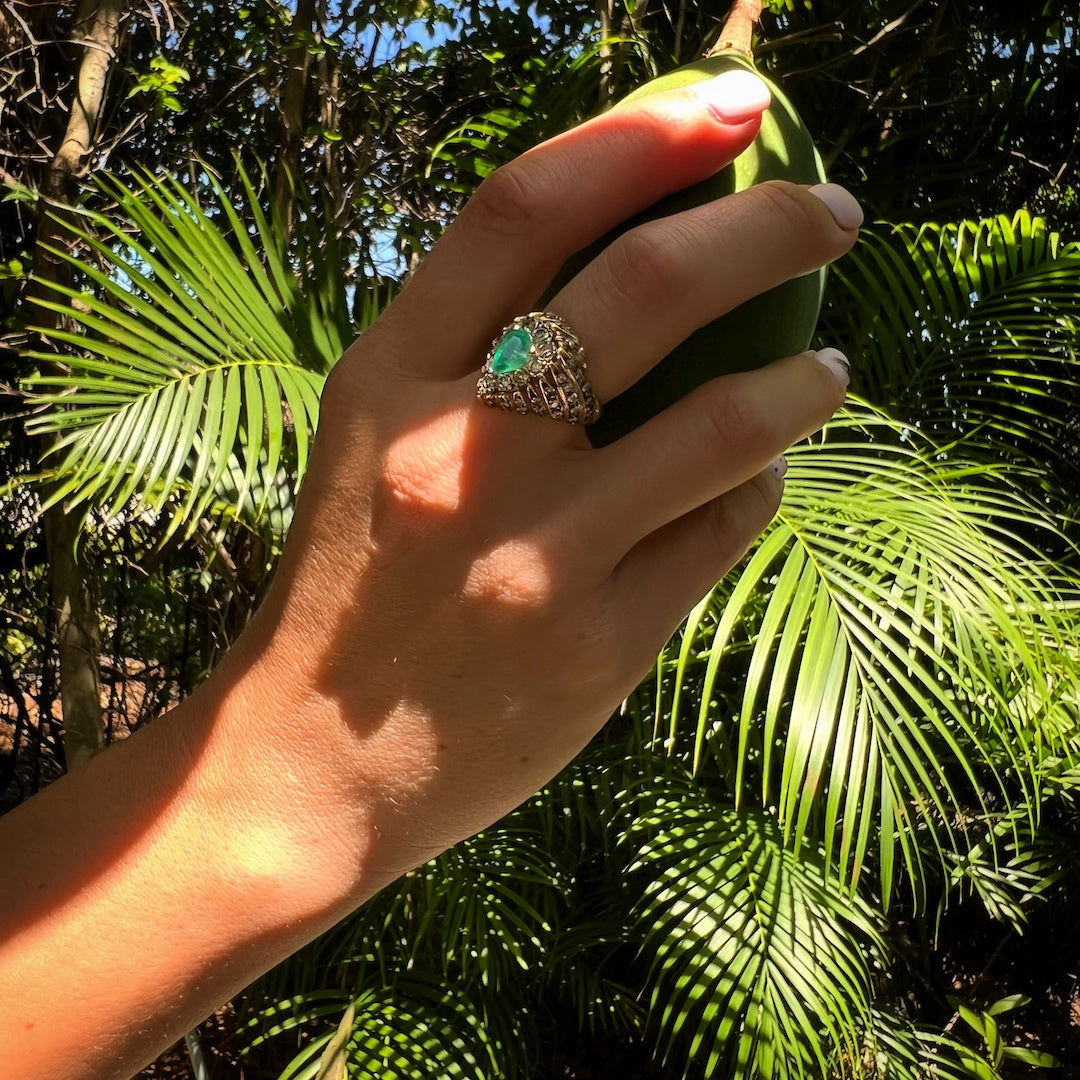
x=483 y=914
x=980 y=337
x=198 y=356
x=415 y=1025
x=583 y=970
x=758 y=967
x=890 y=651
x=895 y=1049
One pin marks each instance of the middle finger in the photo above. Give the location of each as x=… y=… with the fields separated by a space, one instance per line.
x=658 y=283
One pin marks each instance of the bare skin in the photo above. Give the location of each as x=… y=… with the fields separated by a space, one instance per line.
x=464 y=598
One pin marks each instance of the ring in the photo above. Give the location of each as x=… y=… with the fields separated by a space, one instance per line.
x=537 y=365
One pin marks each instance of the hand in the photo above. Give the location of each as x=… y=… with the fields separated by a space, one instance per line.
x=469 y=593
x=464 y=597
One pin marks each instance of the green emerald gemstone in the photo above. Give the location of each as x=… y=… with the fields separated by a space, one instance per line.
x=512 y=352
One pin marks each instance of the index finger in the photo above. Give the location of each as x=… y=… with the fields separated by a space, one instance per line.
x=529 y=216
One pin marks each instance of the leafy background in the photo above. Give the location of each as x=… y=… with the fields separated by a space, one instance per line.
x=835 y=833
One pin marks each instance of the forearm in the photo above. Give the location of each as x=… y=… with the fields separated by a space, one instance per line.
x=152 y=885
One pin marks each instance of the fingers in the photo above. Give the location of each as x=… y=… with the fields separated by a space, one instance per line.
x=658 y=283
x=711 y=441
x=664 y=575
x=529 y=216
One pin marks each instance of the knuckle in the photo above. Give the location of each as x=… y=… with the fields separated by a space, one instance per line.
x=341 y=391
x=764 y=493
x=722 y=527
x=513 y=574
x=510 y=202
x=734 y=521
x=645 y=264
x=337 y=391
x=809 y=229
x=787 y=200
x=420 y=477
x=361 y=375
x=735 y=419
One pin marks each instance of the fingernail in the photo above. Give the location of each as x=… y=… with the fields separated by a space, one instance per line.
x=843 y=206
x=837 y=363
x=735 y=97
x=779 y=467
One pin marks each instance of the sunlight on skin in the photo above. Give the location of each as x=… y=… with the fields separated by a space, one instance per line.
x=514 y=573
x=426 y=479
x=423 y=474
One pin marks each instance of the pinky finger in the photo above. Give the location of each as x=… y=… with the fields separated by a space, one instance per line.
x=668 y=572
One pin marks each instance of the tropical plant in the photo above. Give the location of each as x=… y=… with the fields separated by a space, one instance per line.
x=188 y=399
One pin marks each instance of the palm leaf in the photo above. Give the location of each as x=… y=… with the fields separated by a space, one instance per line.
x=980 y=336
x=895 y=1049
x=486 y=907
x=758 y=967
x=199 y=366
x=333 y=1061
x=414 y=1025
x=889 y=652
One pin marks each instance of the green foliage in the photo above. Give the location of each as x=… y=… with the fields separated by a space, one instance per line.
x=981 y=339
x=412 y=1027
x=333 y=1062
x=161 y=82
x=757 y=966
x=194 y=386
x=984 y=1023
x=549 y=95
x=890 y=652
x=437 y=963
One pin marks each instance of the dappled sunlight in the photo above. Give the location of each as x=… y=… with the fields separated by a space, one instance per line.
x=456 y=573
x=423 y=470
x=513 y=573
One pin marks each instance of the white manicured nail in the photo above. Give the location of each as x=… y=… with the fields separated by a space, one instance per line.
x=735 y=97
x=837 y=363
x=844 y=207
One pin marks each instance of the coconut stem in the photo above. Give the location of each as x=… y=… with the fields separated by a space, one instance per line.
x=738 y=32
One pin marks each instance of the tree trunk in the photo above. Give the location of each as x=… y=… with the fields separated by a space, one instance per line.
x=77 y=639
x=604 y=17
x=307 y=27
x=97 y=30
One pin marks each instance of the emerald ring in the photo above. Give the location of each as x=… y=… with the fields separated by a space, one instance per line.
x=537 y=365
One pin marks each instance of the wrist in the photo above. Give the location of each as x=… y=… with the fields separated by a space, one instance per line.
x=204 y=825
x=301 y=785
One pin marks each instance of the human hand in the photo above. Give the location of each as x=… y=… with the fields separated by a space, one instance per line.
x=466 y=594
x=464 y=597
